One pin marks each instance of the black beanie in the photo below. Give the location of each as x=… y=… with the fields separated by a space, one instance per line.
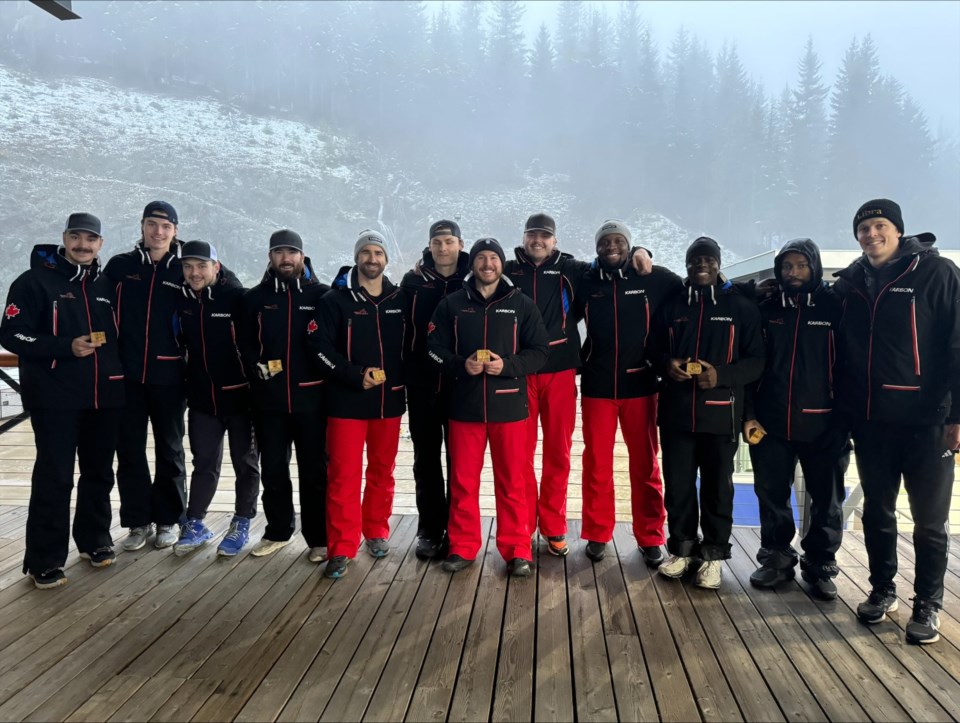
x=449 y=227
x=879 y=208
x=704 y=246
x=486 y=244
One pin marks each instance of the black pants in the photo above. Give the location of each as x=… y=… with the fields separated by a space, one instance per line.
x=206 y=445
x=430 y=428
x=276 y=432
x=164 y=499
x=885 y=453
x=824 y=462
x=63 y=436
x=683 y=454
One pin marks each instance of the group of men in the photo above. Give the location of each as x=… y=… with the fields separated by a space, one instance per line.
x=480 y=349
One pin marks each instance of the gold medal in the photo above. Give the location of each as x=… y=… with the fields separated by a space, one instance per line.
x=379 y=375
x=483 y=355
x=694 y=368
x=756 y=434
x=98 y=337
x=274 y=366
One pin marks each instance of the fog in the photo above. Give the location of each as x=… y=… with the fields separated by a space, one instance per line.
x=750 y=122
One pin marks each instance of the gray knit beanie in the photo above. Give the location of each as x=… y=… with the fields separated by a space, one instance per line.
x=612 y=225
x=369 y=238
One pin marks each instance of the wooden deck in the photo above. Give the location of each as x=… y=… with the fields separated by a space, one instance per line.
x=156 y=637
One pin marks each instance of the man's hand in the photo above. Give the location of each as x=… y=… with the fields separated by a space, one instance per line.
x=707 y=379
x=766 y=289
x=473 y=367
x=494 y=366
x=749 y=426
x=641 y=262
x=82 y=346
x=676 y=371
x=368 y=381
x=952 y=436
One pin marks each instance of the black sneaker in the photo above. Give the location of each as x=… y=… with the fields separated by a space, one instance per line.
x=48 y=579
x=821 y=587
x=557 y=545
x=924 y=625
x=336 y=567
x=101 y=557
x=428 y=549
x=596 y=551
x=456 y=563
x=518 y=567
x=652 y=555
x=769 y=577
x=874 y=609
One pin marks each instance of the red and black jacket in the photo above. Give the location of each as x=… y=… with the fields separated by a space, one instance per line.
x=509 y=325
x=722 y=326
x=553 y=287
x=424 y=288
x=358 y=332
x=47 y=308
x=276 y=318
x=217 y=383
x=148 y=293
x=900 y=346
x=618 y=307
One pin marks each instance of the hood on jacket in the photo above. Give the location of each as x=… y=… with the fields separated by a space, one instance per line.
x=809 y=250
x=552 y=259
x=428 y=268
x=51 y=256
x=347 y=279
x=226 y=281
x=308 y=278
x=504 y=289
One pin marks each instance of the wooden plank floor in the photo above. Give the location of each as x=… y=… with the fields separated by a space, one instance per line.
x=162 y=638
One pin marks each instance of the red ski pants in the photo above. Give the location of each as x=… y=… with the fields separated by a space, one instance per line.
x=347 y=515
x=552 y=399
x=638 y=422
x=468 y=442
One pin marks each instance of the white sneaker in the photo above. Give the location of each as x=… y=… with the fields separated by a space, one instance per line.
x=137 y=538
x=167 y=536
x=675 y=566
x=708 y=574
x=317 y=554
x=268 y=547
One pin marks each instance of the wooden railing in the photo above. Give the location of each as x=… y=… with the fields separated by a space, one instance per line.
x=9 y=361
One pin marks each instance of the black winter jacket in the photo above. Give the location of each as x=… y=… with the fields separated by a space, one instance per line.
x=357 y=332
x=276 y=318
x=509 y=325
x=216 y=380
x=722 y=326
x=147 y=297
x=900 y=349
x=618 y=308
x=424 y=289
x=47 y=308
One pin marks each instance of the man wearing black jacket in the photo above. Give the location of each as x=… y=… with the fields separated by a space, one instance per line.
x=276 y=318
x=900 y=390
x=789 y=417
x=148 y=280
x=59 y=319
x=361 y=322
x=711 y=347
x=487 y=338
x=218 y=398
x=441 y=272
x=619 y=383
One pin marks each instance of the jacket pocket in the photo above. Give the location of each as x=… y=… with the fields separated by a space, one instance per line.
x=816 y=411
x=507 y=391
x=899 y=388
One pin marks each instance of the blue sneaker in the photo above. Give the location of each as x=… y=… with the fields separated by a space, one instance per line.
x=237 y=536
x=192 y=535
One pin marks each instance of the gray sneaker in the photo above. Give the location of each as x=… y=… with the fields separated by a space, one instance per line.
x=378 y=547
x=167 y=536
x=137 y=538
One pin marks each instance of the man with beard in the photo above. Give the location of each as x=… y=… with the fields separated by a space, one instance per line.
x=277 y=317
x=551 y=279
x=711 y=347
x=440 y=273
x=619 y=383
x=148 y=280
x=789 y=417
x=360 y=342
x=218 y=398
x=900 y=390
x=488 y=337
x=59 y=321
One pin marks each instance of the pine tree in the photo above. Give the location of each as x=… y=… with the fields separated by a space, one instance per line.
x=807 y=137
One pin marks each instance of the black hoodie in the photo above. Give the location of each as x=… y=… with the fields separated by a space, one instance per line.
x=900 y=337
x=216 y=381
x=47 y=308
x=794 y=398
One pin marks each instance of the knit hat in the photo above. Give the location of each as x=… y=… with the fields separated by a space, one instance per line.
x=369 y=238
x=83 y=222
x=444 y=227
x=541 y=222
x=879 y=208
x=286 y=239
x=160 y=209
x=704 y=246
x=610 y=226
x=486 y=244
x=198 y=250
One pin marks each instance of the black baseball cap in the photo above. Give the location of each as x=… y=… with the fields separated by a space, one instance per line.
x=161 y=209
x=83 y=222
x=541 y=222
x=198 y=250
x=286 y=239
x=449 y=227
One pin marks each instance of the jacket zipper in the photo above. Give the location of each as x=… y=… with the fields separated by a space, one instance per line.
x=53 y=364
x=616 y=343
x=793 y=360
x=206 y=367
x=696 y=353
x=383 y=387
x=485 y=346
x=730 y=345
x=96 y=359
x=146 y=341
x=913 y=333
x=289 y=333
